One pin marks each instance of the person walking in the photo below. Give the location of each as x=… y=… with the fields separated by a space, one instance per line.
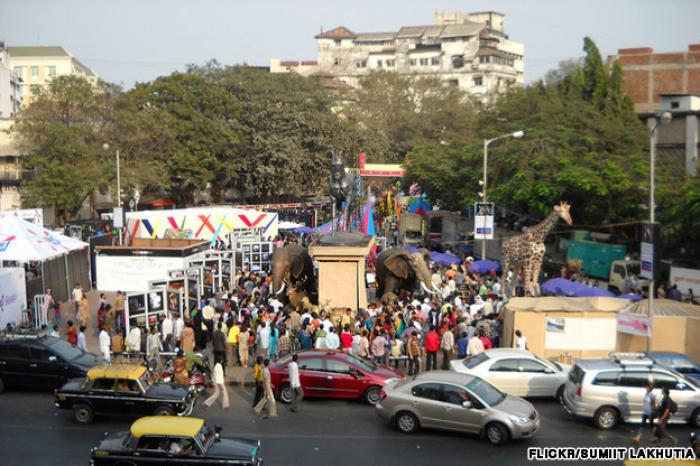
x=447 y=343
x=295 y=384
x=77 y=295
x=105 y=343
x=119 y=311
x=520 y=341
x=167 y=328
x=414 y=353
x=188 y=338
x=243 y=353
x=274 y=342
x=285 y=344
x=84 y=310
x=180 y=366
x=475 y=346
x=667 y=408
x=269 y=396
x=232 y=344
x=258 y=378
x=379 y=347
x=153 y=347
x=432 y=345
x=648 y=408
x=72 y=333
x=82 y=344
x=332 y=341
x=219 y=386
x=219 y=342
x=45 y=306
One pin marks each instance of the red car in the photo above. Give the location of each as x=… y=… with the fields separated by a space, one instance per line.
x=333 y=374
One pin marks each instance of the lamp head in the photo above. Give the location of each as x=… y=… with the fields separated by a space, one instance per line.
x=665 y=117
x=105 y=146
x=518 y=134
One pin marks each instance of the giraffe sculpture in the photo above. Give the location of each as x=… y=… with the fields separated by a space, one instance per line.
x=526 y=251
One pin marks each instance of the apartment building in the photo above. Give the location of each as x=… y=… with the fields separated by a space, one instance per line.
x=10 y=100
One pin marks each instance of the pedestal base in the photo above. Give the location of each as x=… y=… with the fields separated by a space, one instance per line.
x=341 y=276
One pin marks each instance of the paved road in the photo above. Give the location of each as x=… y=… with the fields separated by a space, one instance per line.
x=323 y=432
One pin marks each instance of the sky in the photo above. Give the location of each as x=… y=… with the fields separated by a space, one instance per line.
x=128 y=41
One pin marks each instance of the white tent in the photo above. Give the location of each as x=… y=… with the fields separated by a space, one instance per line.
x=289 y=225
x=21 y=241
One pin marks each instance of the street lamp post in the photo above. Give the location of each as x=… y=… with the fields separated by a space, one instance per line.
x=105 y=146
x=517 y=135
x=658 y=120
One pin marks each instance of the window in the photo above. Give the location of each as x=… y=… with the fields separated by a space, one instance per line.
x=527 y=365
x=103 y=384
x=454 y=395
x=35 y=71
x=337 y=61
x=455 y=83
x=41 y=354
x=339 y=367
x=34 y=88
x=662 y=380
x=16 y=351
x=498 y=82
x=379 y=63
x=457 y=61
x=51 y=70
x=634 y=379
x=505 y=365
x=619 y=269
x=473 y=361
x=311 y=365
x=423 y=62
x=126 y=386
x=608 y=379
x=390 y=63
x=362 y=64
x=484 y=59
x=435 y=61
x=478 y=81
x=337 y=42
x=675 y=104
x=147 y=442
x=485 y=391
x=18 y=71
x=429 y=391
x=412 y=62
x=182 y=446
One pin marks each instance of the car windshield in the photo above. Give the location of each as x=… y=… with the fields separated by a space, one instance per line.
x=362 y=364
x=205 y=436
x=550 y=364
x=485 y=391
x=146 y=380
x=64 y=350
x=473 y=361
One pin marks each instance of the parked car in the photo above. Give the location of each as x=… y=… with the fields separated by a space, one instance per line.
x=124 y=389
x=460 y=402
x=612 y=390
x=677 y=361
x=333 y=374
x=516 y=372
x=41 y=362
x=167 y=440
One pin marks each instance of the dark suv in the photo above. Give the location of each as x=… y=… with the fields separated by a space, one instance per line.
x=33 y=361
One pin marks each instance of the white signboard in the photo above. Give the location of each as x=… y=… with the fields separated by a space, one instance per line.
x=580 y=334
x=483 y=220
x=633 y=325
x=647 y=267
x=686 y=280
x=13 y=296
x=132 y=273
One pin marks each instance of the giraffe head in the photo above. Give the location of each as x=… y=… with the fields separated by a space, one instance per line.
x=563 y=210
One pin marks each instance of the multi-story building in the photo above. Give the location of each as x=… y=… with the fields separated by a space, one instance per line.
x=469 y=50
x=10 y=100
x=36 y=66
x=667 y=81
x=10 y=168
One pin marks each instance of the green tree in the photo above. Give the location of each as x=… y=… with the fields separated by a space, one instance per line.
x=61 y=134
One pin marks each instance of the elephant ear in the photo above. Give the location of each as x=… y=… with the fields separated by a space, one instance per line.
x=398 y=265
x=297 y=267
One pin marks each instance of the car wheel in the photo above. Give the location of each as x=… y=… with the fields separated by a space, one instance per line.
x=695 y=418
x=496 y=433
x=560 y=393
x=164 y=411
x=372 y=395
x=606 y=418
x=2 y=386
x=406 y=422
x=83 y=413
x=285 y=393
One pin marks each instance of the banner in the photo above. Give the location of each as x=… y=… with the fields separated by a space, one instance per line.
x=633 y=325
x=13 y=296
x=483 y=220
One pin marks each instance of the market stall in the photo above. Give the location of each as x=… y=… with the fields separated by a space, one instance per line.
x=557 y=327
x=674 y=326
x=184 y=287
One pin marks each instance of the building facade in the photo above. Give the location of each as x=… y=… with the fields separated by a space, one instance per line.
x=469 y=50
x=10 y=168
x=36 y=66
x=10 y=87
x=668 y=81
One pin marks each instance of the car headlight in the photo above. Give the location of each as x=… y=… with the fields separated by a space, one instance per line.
x=519 y=420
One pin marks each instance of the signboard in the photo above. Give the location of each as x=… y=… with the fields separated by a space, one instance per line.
x=647 y=256
x=35 y=216
x=580 y=334
x=483 y=220
x=633 y=325
x=13 y=296
x=685 y=279
x=118 y=219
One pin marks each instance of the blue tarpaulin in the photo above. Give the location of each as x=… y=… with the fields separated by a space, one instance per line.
x=485 y=266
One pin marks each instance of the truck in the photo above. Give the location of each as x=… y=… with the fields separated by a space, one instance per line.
x=605 y=261
x=411 y=229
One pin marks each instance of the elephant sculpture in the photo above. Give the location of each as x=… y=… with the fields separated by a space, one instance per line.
x=293 y=270
x=397 y=269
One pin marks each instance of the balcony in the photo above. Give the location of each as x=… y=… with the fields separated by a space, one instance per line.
x=10 y=175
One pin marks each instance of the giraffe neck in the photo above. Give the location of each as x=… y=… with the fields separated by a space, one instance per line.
x=540 y=231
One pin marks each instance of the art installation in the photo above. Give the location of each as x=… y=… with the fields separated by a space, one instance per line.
x=341 y=189
x=526 y=251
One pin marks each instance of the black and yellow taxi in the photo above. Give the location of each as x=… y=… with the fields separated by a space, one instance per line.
x=186 y=441
x=123 y=389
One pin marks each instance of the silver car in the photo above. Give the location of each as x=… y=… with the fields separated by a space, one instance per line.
x=460 y=402
x=612 y=390
x=516 y=372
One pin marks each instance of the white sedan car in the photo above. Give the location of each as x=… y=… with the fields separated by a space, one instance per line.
x=516 y=372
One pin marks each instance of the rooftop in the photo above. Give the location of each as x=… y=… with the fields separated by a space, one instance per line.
x=116 y=371
x=167 y=425
x=41 y=51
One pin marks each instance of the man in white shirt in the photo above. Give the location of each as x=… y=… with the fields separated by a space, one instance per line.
x=217 y=377
x=178 y=327
x=332 y=341
x=81 y=339
x=134 y=339
x=295 y=384
x=77 y=295
x=520 y=341
x=105 y=342
x=167 y=332
x=264 y=336
x=275 y=304
x=475 y=346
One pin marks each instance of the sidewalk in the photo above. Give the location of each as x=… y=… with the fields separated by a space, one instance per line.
x=235 y=375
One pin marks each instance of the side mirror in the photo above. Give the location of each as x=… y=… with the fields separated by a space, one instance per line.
x=217 y=433
x=467 y=404
x=53 y=359
x=549 y=371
